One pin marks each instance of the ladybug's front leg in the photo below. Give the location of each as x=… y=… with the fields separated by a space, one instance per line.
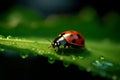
x=63 y=49
x=65 y=46
x=56 y=48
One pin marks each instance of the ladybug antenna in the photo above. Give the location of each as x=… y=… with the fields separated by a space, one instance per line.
x=49 y=41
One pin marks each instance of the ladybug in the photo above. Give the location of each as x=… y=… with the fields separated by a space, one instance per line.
x=70 y=38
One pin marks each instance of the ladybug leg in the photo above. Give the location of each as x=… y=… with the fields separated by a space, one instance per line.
x=62 y=51
x=56 y=49
x=69 y=46
x=65 y=46
x=49 y=46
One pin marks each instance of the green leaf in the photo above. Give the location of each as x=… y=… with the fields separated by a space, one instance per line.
x=98 y=57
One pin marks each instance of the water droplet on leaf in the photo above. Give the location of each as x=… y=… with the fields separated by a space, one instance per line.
x=24 y=56
x=51 y=60
x=114 y=77
x=80 y=57
x=13 y=43
x=40 y=52
x=66 y=64
x=107 y=63
x=61 y=57
x=73 y=57
x=9 y=37
x=1 y=37
x=102 y=64
x=33 y=48
x=48 y=52
x=88 y=69
x=102 y=58
x=1 y=49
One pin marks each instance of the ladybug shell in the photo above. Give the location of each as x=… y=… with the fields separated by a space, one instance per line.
x=73 y=37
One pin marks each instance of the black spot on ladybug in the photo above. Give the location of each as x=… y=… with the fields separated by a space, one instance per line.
x=73 y=41
x=82 y=42
x=71 y=35
x=78 y=36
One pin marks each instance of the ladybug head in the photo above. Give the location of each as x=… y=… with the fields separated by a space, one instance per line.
x=55 y=44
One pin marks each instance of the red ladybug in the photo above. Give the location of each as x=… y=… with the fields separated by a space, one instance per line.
x=69 y=38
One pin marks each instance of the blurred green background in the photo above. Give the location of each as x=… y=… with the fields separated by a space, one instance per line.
x=33 y=20
x=95 y=20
